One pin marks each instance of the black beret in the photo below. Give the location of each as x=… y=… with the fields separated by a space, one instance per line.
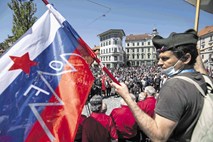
x=189 y=37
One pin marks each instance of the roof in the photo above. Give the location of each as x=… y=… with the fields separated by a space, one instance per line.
x=206 y=30
x=112 y=31
x=137 y=37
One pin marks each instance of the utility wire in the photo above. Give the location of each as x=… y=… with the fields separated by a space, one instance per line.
x=104 y=14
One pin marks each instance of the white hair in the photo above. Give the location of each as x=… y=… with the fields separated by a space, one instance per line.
x=150 y=90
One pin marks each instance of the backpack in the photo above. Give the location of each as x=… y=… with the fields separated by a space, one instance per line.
x=203 y=131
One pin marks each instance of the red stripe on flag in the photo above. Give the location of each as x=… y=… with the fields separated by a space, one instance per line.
x=73 y=90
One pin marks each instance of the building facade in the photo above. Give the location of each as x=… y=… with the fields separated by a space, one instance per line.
x=140 y=50
x=111 y=49
x=205 y=44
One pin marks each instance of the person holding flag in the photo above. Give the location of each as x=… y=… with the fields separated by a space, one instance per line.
x=179 y=103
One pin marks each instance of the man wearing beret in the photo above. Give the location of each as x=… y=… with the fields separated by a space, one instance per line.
x=179 y=103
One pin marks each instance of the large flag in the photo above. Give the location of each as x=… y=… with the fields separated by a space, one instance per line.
x=206 y=5
x=44 y=83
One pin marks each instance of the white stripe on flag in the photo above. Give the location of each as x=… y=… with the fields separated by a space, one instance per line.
x=34 y=41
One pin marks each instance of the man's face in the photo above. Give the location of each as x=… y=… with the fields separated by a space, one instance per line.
x=168 y=59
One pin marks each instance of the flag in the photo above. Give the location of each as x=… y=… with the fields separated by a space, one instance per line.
x=206 y=5
x=44 y=83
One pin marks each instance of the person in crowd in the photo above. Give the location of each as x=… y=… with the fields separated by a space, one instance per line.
x=103 y=86
x=78 y=137
x=157 y=81
x=98 y=127
x=125 y=122
x=108 y=87
x=141 y=96
x=148 y=105
x=179 y=102
x=97 y=85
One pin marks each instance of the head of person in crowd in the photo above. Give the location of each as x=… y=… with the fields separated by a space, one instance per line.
x=123 y=103
x=141 y=96
x=177 y=52
x=104 y=107
x=96 y=103
x=149 y=91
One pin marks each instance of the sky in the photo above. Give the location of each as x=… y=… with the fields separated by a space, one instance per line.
x=93 y=17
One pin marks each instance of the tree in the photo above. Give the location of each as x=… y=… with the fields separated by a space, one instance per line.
x=23 y=19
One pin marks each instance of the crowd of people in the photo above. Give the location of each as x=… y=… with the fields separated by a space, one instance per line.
x=154 y=106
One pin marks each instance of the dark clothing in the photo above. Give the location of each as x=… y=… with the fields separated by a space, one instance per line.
x=181 y=102
x=93 y=131
x=79 y=131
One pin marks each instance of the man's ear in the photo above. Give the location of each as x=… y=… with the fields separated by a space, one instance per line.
x=186 y=58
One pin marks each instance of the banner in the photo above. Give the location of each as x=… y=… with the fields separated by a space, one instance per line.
x=44 y=83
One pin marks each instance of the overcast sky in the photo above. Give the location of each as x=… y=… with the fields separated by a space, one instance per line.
x=92 y=17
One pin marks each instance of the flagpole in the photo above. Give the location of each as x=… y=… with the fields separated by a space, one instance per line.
x=199 y=66
x=93 y=55
x=45 y=2
x=197 y=15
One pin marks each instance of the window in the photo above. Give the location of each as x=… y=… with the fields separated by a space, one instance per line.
x=148 y=43
x=211 y=38
x=115 y=58
x=148 y=55
x=138 y=44
x=133 y=44
x=142 y=43
x=137 y=56
x=115 y=41
x=133 y=50
x=115 y=50
x=133 y=56
x=127 y=44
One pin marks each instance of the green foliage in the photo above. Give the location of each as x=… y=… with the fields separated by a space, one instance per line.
x=23 y=19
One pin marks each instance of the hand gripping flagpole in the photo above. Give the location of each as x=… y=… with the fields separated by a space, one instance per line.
x=94 y=56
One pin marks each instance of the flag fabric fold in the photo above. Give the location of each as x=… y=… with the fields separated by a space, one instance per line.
x=44 y=83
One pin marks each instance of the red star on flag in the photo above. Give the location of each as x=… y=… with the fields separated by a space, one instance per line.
x=24 y=63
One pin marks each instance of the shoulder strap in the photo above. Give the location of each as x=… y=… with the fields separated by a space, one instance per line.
x=192 y=82
x=208 y=81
